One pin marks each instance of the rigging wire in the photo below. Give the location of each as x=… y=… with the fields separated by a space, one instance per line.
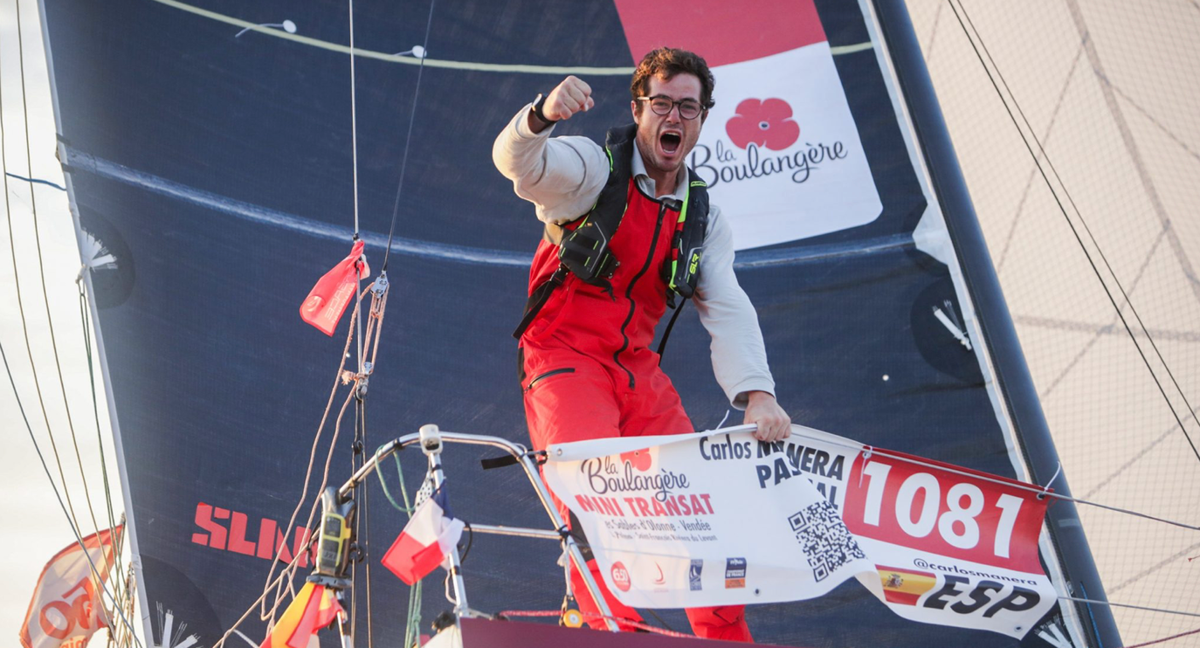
x=87 y=345
x=124 y=637
x=353 y=122
x=74 y=529
x=1165 y=639
x=364 y=519
x=41 y=263
x=358 y=405
x=304 y=490
x=1079 y=215
x=1035 y=489
x=412 y=114
x=376 y=314
x=1126 y=605
x=45 y=294
x=357 y=390
x=21 y=310
x=282 y=584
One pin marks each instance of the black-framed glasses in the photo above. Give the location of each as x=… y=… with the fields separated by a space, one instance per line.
x=662 y=105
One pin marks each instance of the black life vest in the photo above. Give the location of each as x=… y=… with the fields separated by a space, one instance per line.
x=584 y=244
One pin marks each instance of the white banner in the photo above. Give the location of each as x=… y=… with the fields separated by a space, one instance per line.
x=683 y=524
x=719 y=518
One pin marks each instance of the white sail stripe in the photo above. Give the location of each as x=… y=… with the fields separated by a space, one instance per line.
x=746 y=259
x=437 y=63
x=120 y=173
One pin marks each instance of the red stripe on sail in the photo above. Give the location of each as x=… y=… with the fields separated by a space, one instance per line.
x=722 y=32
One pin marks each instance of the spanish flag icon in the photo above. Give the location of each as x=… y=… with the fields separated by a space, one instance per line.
x=905 y=586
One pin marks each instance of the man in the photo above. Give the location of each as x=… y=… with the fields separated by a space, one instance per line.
x=587 y=370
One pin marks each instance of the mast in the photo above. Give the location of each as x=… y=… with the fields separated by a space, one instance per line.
x=1013 y=379
x=130 y=530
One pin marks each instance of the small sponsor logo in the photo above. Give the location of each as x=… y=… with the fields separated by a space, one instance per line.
x=694 y=574
x=620 y=576
x=662 y=579
x=735 y=573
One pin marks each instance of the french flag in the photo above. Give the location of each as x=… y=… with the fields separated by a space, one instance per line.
x=430 y=534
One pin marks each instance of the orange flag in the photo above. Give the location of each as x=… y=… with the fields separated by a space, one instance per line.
x=66 y=608
x=328 y=299
x=313 y=608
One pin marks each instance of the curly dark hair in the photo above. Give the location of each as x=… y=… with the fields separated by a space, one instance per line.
x=666 y=62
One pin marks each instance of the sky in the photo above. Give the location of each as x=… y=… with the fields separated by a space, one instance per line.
x=36 y=526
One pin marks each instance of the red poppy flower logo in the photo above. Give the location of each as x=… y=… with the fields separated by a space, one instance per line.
x=620 y=577
x=639 y=459
x=763 y=122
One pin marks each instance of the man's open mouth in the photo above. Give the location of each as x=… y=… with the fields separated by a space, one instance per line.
x=670 y=142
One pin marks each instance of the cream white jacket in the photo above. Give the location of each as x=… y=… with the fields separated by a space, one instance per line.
x=562 y=176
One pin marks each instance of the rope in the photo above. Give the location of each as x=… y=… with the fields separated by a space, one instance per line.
x=1074 y=229
x=1165 y=639
x=74 y=529
x=412 y=114
x=282 y=584
x=597 y=617
x=263 y=613
x=262 y=597
x=387 y=493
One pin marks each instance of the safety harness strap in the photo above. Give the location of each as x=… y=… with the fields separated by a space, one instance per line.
x=585 y=244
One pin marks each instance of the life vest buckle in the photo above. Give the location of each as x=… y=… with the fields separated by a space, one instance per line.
x=585 y=252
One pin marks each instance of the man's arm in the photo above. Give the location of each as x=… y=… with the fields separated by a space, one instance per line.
x=561 y=176
x=569 y=97
x=739 y=356
x=773 y=422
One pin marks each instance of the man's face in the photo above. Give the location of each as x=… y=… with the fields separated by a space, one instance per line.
x=665 y=140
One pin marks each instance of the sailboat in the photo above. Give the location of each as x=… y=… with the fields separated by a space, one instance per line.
x=215 y=153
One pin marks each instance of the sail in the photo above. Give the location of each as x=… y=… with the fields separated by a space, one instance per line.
x=220 y=161
x=1104 y=114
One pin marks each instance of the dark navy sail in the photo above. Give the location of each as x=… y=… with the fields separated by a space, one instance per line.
x=217 y=170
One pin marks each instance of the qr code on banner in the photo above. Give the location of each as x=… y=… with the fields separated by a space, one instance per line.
x=823 y=536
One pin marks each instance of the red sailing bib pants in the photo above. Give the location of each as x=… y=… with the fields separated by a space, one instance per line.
x=588 y=371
